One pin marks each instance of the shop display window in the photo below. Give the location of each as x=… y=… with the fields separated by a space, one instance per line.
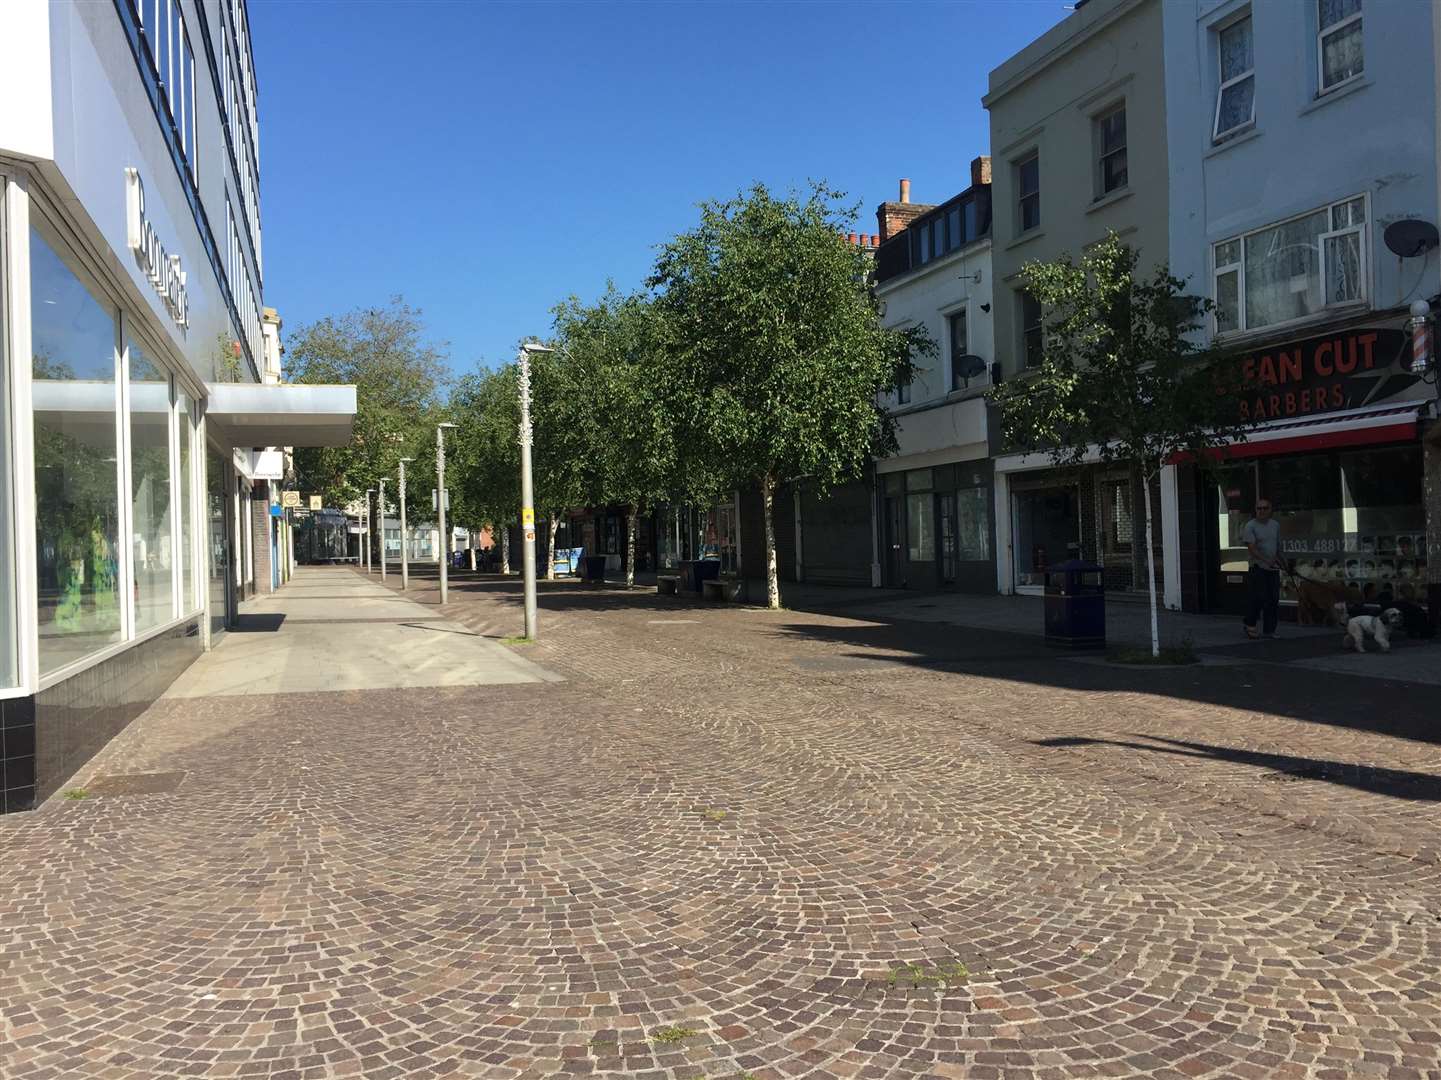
x=9 y=644
x=1353 y=519
x=189 y=599
x=77 y=473
x=151 y=491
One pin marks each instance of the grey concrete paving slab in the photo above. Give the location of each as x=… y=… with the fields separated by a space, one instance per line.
x=331 y=629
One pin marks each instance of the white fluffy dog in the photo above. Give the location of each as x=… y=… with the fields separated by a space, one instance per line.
x=1378 y=626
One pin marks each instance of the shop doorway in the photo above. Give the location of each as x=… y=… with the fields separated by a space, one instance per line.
x=946 y=527
x=221 y=587
x=895 y=563
x=1047 y=530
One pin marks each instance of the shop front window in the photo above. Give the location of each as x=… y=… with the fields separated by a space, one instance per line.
x=1353 y=519
x=921 y=527
x=973 y=525
x=9 y=645
x=1047 y=531
x=150 y=491
x=77 y=487
x=184 y=495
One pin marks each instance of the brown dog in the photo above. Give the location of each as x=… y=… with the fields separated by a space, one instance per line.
x=1316 y=600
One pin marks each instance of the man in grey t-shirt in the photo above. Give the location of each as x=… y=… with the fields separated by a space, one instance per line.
x=1262 y=537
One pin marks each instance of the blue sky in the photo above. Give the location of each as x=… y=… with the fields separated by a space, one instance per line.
x=486 y=160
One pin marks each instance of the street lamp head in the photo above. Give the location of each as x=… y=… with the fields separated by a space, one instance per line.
x=405 y=459
x=535 y=347
x=445 y=424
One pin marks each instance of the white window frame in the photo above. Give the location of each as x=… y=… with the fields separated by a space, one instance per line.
x=1322 y=33
x=1019 y=164
x=1098 y=121
x=1224 y=84
x=1362 y=230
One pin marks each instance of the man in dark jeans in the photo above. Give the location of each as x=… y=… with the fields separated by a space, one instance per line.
x=1262 y=537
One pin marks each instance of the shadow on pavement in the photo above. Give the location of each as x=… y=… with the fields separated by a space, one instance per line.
x=1398 y=783
x=258 y=622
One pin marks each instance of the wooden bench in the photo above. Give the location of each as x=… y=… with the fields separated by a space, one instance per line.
x=724 y=590
x=667 y=585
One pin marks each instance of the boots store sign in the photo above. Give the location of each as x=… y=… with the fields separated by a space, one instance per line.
x=1344 y=370
x=159 y=265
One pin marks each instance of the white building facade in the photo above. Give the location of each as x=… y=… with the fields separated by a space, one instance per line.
x=933 y=525
x=133 y=418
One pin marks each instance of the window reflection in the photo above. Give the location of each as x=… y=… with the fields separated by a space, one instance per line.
x=150 y=491
x=76 y=473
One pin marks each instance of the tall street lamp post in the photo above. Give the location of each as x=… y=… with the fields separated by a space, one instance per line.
x=380 y=505
x=440 y=505
x=369 y=532
x=404 y=555
x=527 y=495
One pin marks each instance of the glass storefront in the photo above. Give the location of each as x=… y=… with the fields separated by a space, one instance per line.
x=936 y=529
x=151 y=491
x=217 y=500
x=189 y=598
x=1352 y=518
x=1047 y=529
x=9 y=645
x=77 y=471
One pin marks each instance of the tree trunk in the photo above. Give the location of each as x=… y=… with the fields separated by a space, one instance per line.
x=550 y=553
x=473 y=542
x=1151 y=568
x=631 y=511
x=505 y=549
x=773 y=585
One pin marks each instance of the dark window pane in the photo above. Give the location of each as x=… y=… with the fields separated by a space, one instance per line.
x=953 y=228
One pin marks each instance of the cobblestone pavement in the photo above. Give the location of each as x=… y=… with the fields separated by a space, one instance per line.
x=737 y=843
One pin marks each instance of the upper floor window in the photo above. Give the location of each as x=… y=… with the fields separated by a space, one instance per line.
x=1028 y=192
x=957 y=322
x=170 y=51
x=1032 y=331
x=1293 y=269
x=1111 y=150
x=1339 y=42
x=903 y=392
x=1236 y=97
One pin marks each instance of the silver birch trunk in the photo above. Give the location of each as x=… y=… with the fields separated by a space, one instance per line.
x=550 y=554
x=630 y=517
x=773 y=585
x=504 y=549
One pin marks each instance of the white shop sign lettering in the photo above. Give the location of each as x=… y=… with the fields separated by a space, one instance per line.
x=160 y=266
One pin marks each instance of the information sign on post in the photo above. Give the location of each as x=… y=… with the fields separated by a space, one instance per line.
x=289 y=499
x=316 y=502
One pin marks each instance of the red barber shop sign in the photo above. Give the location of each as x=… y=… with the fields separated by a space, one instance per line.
x=1343 y=370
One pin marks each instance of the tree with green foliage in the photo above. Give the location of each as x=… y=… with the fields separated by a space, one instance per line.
x=399 y=378
x=618 y=354
x=779 y=357
x=483 y=454
x=1121 y=377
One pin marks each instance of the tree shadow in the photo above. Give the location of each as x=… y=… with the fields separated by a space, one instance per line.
x=257 y=622
x=1359 y=703
x=1397 y=783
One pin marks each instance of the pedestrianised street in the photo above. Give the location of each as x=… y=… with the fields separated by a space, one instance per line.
x=681 y=840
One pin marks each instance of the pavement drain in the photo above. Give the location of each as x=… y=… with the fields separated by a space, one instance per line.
x=152 y=783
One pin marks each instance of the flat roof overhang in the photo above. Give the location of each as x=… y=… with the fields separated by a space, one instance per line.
x=290 y=414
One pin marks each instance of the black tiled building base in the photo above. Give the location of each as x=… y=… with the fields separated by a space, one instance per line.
x=46 y=739
x=17 y=754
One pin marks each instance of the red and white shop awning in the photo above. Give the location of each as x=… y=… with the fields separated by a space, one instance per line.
x=1353 y=427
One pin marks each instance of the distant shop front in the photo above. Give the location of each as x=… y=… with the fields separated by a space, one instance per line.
x=1336 y=446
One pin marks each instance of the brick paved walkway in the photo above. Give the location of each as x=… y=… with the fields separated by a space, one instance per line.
x=738 y=843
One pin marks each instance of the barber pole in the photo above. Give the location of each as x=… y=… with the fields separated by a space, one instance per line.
x=1420 y=337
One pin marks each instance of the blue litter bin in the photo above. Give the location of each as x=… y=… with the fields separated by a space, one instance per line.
x=694 y=572
x=1075 y=605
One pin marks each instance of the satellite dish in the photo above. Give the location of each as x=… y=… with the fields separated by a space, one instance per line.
x=969 y=366
x=1411 y=237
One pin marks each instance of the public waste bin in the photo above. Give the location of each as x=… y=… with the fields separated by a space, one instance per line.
x=594 y=567
x=1075 y=605
x=693 y=572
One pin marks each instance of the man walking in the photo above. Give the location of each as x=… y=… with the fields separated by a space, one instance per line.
x=1262 y=537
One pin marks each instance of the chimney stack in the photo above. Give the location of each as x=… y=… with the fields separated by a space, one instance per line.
x=905 y=191
x=980 y=170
